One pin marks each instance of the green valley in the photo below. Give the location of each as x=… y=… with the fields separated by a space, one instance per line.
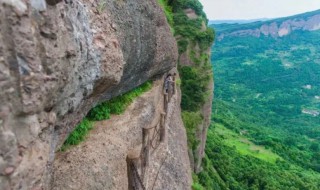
x=244 y=146
x=265 y=132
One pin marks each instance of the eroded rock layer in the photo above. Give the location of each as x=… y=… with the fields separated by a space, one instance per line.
x=101 y=161
x=60 y=58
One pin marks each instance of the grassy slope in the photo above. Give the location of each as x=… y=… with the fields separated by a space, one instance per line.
x=245 y=146
x=227 y=167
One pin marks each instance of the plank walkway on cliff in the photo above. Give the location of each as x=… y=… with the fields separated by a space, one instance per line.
x=139 y=163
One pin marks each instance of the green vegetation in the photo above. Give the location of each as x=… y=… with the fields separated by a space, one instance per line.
x=186 y=4
x=194 y=87
x=167 y=11
x=194 y=38
x=78 y=134
x=260 y=138
x=103 y=111
x=191 y=121
x=264 y=85
x=224 y=167
x=245 y=146
x=118 y=104
x=197 y=186
x=188 y=30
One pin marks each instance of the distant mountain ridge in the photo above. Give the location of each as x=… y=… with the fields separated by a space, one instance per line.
x=279 y=27
x=243 y=21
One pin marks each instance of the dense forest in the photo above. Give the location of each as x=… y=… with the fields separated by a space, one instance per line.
x=265 y=132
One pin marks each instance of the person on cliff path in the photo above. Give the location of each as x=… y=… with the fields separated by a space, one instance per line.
x=174 y=83
x=167 y=83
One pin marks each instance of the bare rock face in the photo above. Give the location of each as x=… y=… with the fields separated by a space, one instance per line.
x=100 y=161
x=60 y=58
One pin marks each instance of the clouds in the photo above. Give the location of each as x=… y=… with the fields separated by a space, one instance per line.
x=252 y=9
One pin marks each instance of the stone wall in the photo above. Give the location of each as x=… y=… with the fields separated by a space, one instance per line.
x=60 y=58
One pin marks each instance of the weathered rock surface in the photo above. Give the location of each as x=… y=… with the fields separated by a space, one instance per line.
x=60 y=58
x=100 y=161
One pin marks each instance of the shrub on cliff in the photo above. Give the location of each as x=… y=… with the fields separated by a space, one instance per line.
x=194 y=87
x=179 y=5
x=167 y=10
x=118 y=104
x=191 y=120
x=78 y=134
x=197 y=186
x=102 y=111
x=205 y=38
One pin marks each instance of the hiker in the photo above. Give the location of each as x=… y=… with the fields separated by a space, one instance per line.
x=167 y=88
x=167 y=83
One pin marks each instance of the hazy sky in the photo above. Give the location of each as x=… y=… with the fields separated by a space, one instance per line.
x=251 y=9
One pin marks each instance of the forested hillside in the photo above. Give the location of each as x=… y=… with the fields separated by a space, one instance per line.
x=266 y=124
x=189 y=26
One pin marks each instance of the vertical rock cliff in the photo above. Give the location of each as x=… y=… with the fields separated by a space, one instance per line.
x=59 y=59
x=197 y=152
x=194 y=41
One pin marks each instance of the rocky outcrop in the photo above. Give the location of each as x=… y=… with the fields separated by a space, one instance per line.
x=202 y=129
x=60 y=58
x=100 y=161
x=277 y=28
x=198 y=154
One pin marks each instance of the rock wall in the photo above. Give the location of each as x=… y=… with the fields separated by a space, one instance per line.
x=60 y=58
x=100 y=161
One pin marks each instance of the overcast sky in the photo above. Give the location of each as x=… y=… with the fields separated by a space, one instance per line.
x=252 y=9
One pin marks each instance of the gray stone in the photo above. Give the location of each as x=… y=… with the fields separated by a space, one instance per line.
x=4 y=183
x=18 y=5
x=61 y=63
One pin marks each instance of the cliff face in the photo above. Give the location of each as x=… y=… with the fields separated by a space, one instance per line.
x=193 y=58
x=205 y=110
x=277 y=27
x=101 y=162
x=60 y=58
